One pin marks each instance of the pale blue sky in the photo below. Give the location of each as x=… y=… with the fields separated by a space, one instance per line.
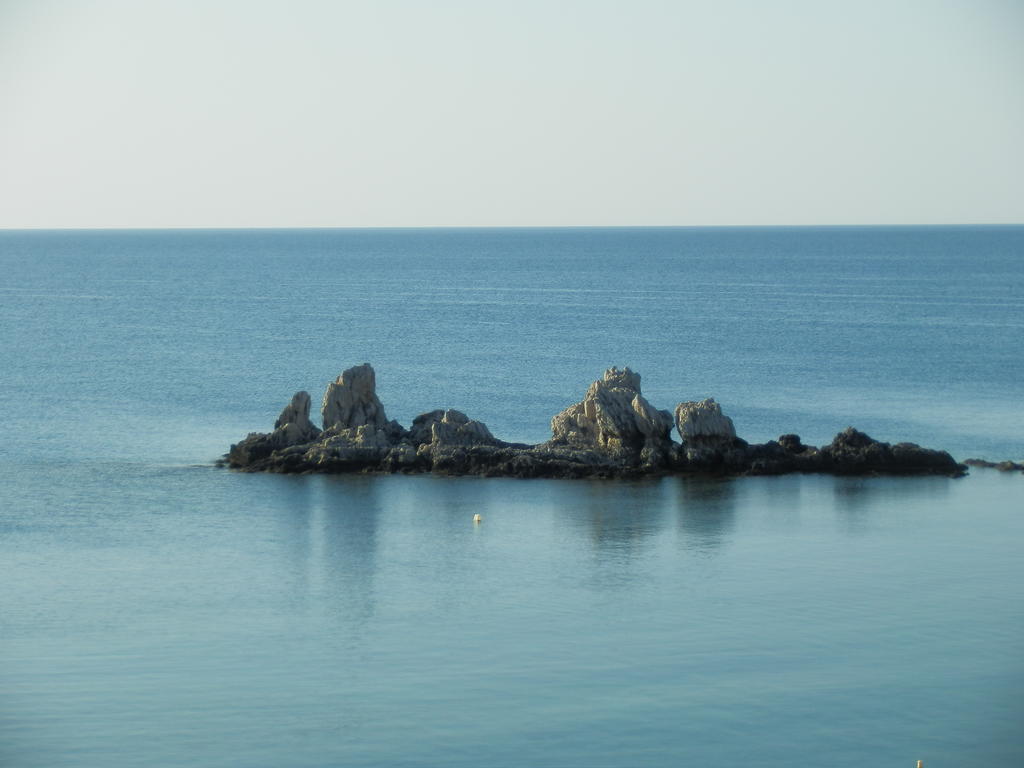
x=137 y=113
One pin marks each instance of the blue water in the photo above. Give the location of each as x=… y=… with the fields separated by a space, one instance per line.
x=157 y=611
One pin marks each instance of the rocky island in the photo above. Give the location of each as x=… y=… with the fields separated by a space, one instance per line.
x=612 y=432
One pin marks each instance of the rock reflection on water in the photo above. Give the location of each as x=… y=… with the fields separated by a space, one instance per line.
x=617 y=527
x=622 y=516
x=705 y=511
x=857 y=501
x=350 y=537
x=340 y=519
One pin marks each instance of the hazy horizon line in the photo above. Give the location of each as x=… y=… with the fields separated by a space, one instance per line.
x=502 y=226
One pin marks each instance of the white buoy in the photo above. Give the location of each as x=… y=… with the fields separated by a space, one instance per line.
x=477 y=518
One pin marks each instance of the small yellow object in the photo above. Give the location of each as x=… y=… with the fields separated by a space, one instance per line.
x=920 y=764
x=478 y=519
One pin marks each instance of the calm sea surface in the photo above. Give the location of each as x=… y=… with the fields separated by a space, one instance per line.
x=155 y=610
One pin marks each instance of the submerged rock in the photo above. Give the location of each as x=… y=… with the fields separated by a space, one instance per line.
x=1002 y=466
x=612 y=432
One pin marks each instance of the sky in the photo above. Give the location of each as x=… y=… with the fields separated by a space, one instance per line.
x=308 y=113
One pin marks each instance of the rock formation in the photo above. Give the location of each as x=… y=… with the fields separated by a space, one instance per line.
x=292 y=427
x=351 y=400
x=615 y=419
x=1002 y=466
x=450 y=428
x=704 y=430
x=854 y=453
x=612 y=432
x=294 y=423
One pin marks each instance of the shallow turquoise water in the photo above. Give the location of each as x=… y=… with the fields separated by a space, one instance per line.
x=158 y=611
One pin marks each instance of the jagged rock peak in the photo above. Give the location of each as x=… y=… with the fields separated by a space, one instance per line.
x=624 y=379
x=613 y=416
x=296 y=412
x=703 y=420
x=293 y=426
x=351 y=400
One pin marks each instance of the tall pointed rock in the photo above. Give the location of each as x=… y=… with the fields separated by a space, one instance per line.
x=351 y=400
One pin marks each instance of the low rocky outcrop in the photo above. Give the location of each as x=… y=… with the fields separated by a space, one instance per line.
x=612 y=432
x=450 y=428
x=292 y=427
x=1002 y=466
x=294 y=421
x=854 y=453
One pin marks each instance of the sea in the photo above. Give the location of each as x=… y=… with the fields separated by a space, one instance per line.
x=156 y=610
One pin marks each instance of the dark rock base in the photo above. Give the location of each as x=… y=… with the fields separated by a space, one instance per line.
x=850 y=453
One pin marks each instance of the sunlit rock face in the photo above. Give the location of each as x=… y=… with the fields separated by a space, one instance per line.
x=703 y=419
x=614 y=418
x=703 y=429
x=450 y=428
x=351 y=400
